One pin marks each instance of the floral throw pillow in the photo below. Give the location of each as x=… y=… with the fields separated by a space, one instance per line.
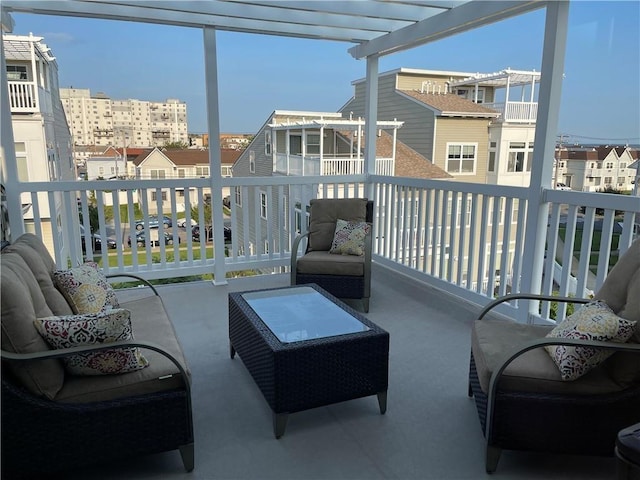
x=593 y=321
x=93 y=329
x=86 y=288
x=348 y=238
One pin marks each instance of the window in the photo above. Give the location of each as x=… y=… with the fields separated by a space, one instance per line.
x=21 y=160
x=202 y=172
x=100 y=171
x=157 y=173
x=607 y=180
x=492 y=161
x=16 y=72
x=313 y=144
x=520 y=157
x=263 y=205
x=238 y=196
x=295 y=144
x=461 y=158
x=181 y=173
x=252 y=161
x=266 y=246
x=267 y=142
x=154 y=196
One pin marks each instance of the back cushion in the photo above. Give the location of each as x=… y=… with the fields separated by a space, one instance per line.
x=37 y=258
x=618 y=286
x=23 y=302
x=323 y=216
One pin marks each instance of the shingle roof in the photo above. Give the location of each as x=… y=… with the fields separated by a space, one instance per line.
x=187 y=157
x=594 y=153
x=451 y=104
x=409 y=163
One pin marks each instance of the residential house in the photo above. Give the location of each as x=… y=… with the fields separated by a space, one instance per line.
x=179 y=163
x=592 y=169
x=468 y=124
x=296 y=143
x=41 y=137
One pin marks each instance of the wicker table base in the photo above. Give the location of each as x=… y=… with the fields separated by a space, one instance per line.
x=311 y=373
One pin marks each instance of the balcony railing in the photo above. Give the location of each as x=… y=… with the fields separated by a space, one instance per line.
x=328 y=165
x=516 y=111
x=466 y=239
x=23 y=97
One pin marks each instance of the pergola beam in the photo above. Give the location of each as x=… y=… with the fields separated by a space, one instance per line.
x=468 y=16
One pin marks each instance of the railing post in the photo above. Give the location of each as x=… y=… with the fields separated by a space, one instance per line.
x=215 y=173
x=555 y=39
x=371 y=123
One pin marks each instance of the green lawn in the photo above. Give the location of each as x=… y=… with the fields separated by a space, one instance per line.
x=595 y=247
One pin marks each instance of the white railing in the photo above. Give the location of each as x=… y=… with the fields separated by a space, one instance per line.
x=516 y=111
x=329 y=165
x=466 y=239
x=23 y=97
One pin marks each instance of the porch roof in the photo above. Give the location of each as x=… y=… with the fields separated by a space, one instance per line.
x=376 y=26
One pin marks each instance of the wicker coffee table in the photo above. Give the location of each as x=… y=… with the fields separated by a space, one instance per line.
x=305 y=348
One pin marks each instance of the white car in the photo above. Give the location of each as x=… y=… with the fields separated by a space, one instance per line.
x=562 y=186
x=182 y=222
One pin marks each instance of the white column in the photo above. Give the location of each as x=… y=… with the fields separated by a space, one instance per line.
x=215 y=174
x=371 y=122
x=9 y=171
x=553 y=54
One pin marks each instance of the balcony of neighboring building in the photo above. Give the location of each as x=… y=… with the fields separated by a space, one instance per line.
x=329 y=147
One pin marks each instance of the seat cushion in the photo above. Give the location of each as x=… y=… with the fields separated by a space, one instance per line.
x=37 y=257
x=150 y=323
x=23 y=302
x=323 y=215
x=493 y=340
x=325 y=263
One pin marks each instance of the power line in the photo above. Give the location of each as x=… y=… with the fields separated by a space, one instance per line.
x=611 y=140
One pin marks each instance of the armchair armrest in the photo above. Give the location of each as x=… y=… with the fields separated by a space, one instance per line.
x=529 y=296
x=65 y=352
x=140 y=279
x=294 y=256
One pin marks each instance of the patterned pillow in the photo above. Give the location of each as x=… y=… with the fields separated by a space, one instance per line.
x=92 y=329
x=348 y=238
x=593 y=321
x=86 y=289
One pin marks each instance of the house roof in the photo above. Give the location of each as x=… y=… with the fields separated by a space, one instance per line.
x=595 y=153
x=449 y=104
x=409 y=163
x=375 y=27
x=187 y=157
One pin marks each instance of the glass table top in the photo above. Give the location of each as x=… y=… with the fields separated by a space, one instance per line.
x=301 y=313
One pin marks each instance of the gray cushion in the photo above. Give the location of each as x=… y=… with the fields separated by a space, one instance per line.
x=23 y=302
x=492 y=340
x=323 y=215
x=150 y=323
x=325 y=263
x=37 y=257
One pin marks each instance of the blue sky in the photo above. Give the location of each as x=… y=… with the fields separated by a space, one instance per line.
x=259 y=74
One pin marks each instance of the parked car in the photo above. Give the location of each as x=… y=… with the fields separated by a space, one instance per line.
x=96 y=240
x=141 y=238
x=562 y=186
x=195 y=233
x=182 y=222
x=153 y=222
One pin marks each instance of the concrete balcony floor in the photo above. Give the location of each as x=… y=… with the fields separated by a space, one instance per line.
x=430 y=430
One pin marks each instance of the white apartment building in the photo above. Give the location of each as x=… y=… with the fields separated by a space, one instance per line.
x=100 y=120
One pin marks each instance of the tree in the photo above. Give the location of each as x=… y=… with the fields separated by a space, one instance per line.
x=176 y=145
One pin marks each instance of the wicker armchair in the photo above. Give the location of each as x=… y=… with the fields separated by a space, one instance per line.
x=344 y=276
x=522 y=402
